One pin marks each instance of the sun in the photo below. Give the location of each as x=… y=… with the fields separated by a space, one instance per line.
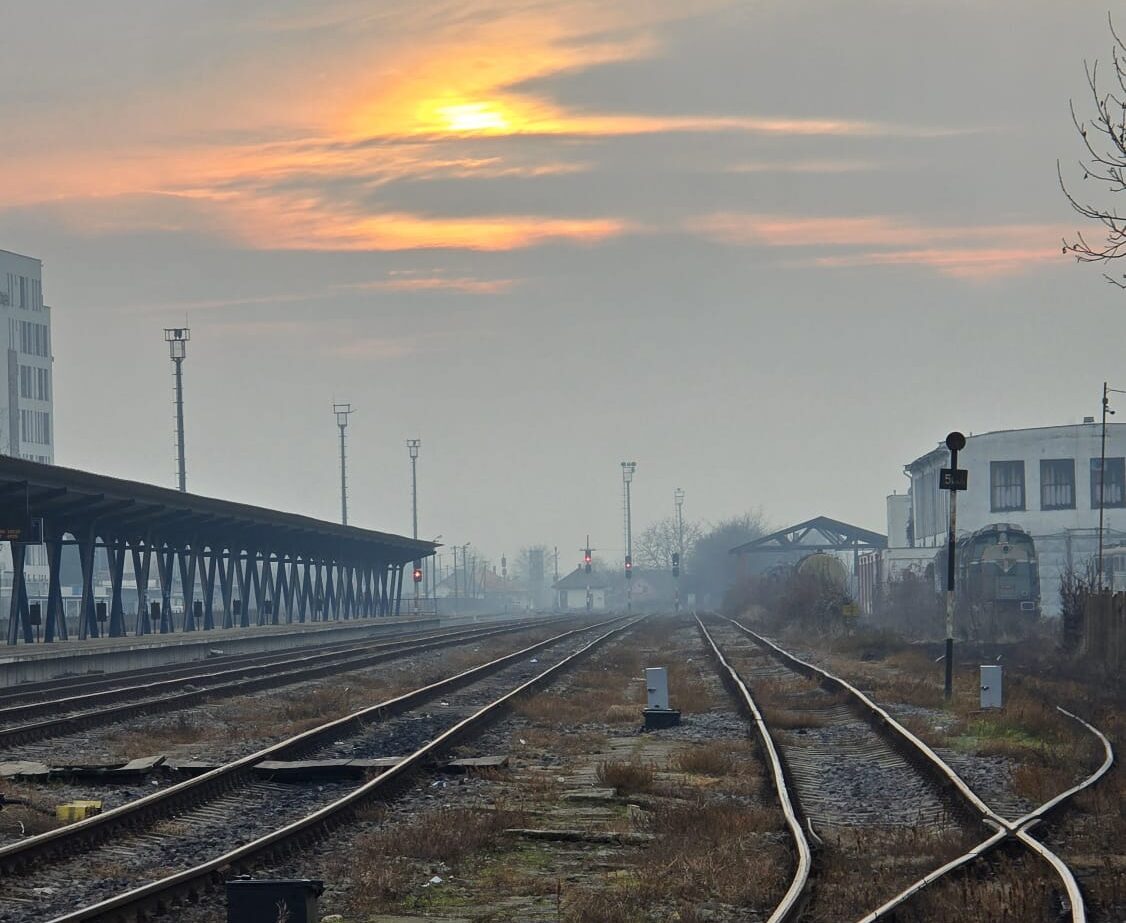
x=472 y=117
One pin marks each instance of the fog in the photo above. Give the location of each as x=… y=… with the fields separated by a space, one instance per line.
x=771 y=251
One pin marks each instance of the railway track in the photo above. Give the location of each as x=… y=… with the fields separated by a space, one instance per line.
x=81 y=683
x=797 y=770
x=215 y=812
x=87 y=710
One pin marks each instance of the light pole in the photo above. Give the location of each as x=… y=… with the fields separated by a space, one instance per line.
x=1107 y=391
x=678 y=499
x=413 y=447
x=342 y=412
x=177 y=339
x=628 y=469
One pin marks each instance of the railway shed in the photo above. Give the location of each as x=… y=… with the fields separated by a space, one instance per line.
x=269 y=567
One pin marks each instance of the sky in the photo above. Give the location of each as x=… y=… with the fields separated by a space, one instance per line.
x=771 y=250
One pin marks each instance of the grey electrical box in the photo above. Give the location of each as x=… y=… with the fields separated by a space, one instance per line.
x=657 y=687
x=991 y=686
x=657 y=712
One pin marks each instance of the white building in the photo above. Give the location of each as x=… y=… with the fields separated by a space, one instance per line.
x=26 y=386
x=1045 y=480
x=26 y=416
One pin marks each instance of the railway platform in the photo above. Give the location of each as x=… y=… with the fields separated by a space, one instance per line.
x=40 y=662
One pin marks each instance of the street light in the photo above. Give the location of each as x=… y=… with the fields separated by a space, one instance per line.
x=342 y=412
x=413 y=446
x=678 y=499
x=628 y=469
x=1107 y=391
x=177 y=339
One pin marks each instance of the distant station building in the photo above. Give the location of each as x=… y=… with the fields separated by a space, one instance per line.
x=27 y=409
x=1044 y=480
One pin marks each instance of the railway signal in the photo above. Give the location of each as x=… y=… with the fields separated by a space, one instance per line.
x=629 y=566
x=676 y=563
x=417 y=572
x=952 y=479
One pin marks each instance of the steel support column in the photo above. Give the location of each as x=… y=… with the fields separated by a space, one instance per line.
x=320 y=605
x=398 y=587
x=304 y=590
x=349 y=591
x=227 y=560
x=87 y=618
x=55 y=621
x=243 y=563
x=208 y=577
x=165 y=556
x=115 y=556
x=291 y=587
x=330 y=593
x=266 y=590
x=188 y=563
x=18 y=616
x=256 y=585
x=142 y=562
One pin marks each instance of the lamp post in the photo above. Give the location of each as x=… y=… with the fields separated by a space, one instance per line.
x=628 y=469
x=177 y=339
x=413 y=446
x=1107 y=391
x=678 y=499
x=343 y=411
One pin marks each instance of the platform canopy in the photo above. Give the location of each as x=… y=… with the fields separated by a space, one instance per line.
x=818 y=534
x=65 y=497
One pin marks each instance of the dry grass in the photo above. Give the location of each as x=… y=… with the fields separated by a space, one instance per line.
x=626 y=777
x=711 y=759
x=387 y=866
x=623 y=714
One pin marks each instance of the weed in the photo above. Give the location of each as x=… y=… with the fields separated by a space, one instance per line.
x=626 y=777
x=713 y=759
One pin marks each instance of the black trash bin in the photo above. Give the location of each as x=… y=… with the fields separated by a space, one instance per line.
x=262 y=900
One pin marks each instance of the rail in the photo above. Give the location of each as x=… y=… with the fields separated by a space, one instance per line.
x=791 y=903
x=1006 y=829
x=191 y=791
x=194 y=880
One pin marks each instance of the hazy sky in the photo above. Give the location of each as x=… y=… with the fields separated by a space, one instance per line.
x=770 y=250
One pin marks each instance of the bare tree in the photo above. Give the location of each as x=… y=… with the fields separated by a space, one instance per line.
x=654 y=547
x=1104 y=137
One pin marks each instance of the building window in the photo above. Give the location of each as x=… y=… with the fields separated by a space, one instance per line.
x=1057 y=484
x=35 y=426
x=1006 y=486
x=1115 y=490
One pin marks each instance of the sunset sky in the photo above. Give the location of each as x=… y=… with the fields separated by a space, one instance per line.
x=771 y=249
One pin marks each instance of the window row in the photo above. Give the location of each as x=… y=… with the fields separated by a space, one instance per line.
x=35 y=426
x=35 y=383
x=34 y=340
x=1057 y=484
x=18 y=291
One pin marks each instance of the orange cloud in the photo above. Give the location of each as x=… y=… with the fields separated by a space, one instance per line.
x=410 y=282
x=962 y=251
x=277 y=223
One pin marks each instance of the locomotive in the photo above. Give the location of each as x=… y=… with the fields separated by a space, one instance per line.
x=996 y=579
